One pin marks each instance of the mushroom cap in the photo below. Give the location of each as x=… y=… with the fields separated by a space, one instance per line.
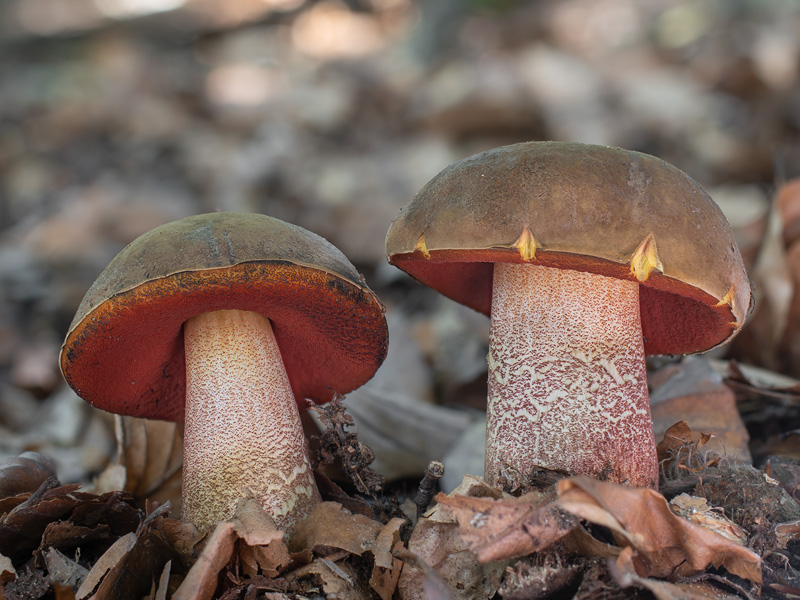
x=124 y=351
x=596 y=209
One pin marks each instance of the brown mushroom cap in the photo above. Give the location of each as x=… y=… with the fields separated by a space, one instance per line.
x=124 y=351
x=589 y=208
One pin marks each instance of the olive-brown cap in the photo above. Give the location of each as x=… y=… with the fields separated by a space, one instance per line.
x=597 y=209
x=124 y=351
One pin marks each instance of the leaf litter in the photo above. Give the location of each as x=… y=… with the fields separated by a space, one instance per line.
x=728 y=530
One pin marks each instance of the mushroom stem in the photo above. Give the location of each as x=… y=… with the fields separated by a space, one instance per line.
x=243 y=433
x=567 y=378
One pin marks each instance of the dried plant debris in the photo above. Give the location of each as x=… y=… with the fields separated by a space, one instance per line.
x=333 y=552
x=337 y=443
x=542 y=575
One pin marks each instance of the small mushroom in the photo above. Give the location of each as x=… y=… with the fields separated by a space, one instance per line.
x=228 y=321
x=586 y=258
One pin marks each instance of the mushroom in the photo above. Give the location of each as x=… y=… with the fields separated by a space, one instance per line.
x=586 y=258
x=228 y=321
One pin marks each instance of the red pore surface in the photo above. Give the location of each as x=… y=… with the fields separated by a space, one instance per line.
x=127 y=354
x=676 y=317
x=567 y=379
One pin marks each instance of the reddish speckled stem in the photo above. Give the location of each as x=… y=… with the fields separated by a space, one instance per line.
x=567 y=379
x=243 y=429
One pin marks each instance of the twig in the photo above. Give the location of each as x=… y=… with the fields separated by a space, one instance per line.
x=427 y=486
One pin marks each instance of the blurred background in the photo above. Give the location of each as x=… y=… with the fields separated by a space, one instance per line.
x=120 y=115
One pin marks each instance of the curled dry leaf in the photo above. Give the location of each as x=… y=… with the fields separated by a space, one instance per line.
x=132 y=575
x=694 y=391
x=386 y=569
x=331 y=526
x=625 y=575
x=680 y=449
x=436 y=544
x=697 y=510
x=104 y=564
x=149 y=460
x=201 y=581
x=503 y=528
x=63 y=508
x=261 y=551
x=665 y=545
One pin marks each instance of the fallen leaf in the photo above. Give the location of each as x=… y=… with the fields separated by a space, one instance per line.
x=625 y=575
x=332 y=526
x=436 y=546
x=264 y=550
x=151 y=453
x=665 y=545
x=201 y=581
x=386 y=569
x=104 y=564
x=132 y=576
x=336 y=580
x=64 y=570
x=694 y=392
x=499 y=529
x=21 y=530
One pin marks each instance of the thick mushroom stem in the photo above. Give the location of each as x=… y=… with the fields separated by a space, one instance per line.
x=567 y=379
x=243 y=433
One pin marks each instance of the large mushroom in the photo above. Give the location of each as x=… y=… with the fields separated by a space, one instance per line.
x=586 y=258
x=228 y=321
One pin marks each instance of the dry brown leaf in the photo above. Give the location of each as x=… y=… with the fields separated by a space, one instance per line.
x=132 y=576
x=682 y=449
x=263 y=548
x=22 y=529
x=105 y=563
x=201 y=581
x=625 y=575
x=152 y=454
x=499 y=529
x=666 y=545
x=333 y=526
x=7 y=570
x=336 y=580
x=694 y=392
x=436 y=544
x=385 y=542
x=387 y=568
